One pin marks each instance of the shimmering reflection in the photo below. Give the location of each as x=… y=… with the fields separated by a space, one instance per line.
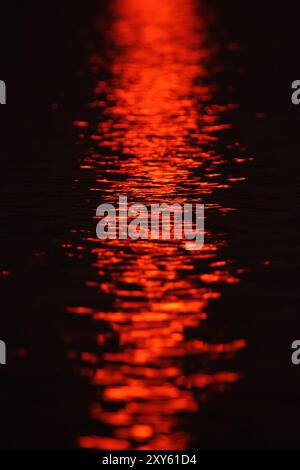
x=153 y=136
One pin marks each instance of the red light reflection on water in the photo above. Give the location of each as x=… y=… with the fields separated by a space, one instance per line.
x=154 y=139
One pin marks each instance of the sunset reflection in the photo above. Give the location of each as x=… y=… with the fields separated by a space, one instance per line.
x=155 y=137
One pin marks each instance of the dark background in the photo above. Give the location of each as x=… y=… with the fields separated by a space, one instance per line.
x=42 y=61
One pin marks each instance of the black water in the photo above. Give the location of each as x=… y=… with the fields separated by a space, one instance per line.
x=45 y=399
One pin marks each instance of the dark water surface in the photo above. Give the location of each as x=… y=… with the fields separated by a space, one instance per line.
x=142 y=344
